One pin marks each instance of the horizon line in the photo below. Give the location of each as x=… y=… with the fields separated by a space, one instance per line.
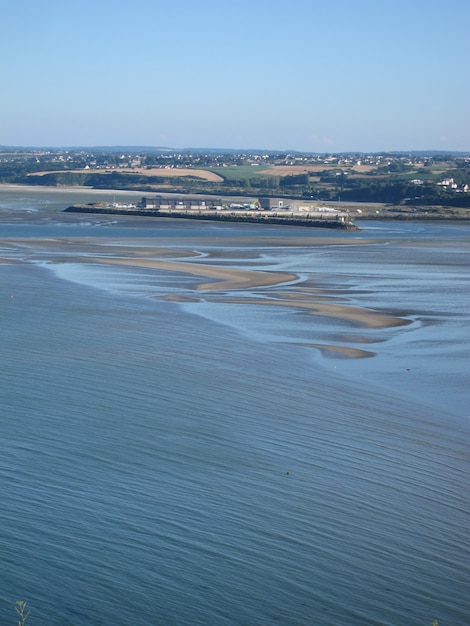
x=134 y=147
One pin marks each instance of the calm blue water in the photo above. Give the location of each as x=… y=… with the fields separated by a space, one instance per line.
x=197 y=463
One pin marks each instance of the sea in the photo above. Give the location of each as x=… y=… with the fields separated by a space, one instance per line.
x=171 y=455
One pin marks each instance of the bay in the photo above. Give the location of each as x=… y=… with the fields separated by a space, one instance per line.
x=199 y=461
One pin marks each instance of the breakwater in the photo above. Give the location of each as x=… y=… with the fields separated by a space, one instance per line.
x=316 y=220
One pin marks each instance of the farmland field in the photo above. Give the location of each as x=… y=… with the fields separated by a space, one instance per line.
x=142 y=171
x=240 y=172
x=292 y=170
x=244 y=172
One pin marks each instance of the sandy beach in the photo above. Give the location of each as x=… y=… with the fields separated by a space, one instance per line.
x=74 y=189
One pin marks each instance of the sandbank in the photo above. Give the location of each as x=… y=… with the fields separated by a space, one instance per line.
x=225 y=278
x=94 y=246
x=294 y=241
x=129 y=253
x=367 y=318
x=342 y=351
x=70 y=188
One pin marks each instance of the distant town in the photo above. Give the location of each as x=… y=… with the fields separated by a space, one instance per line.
x=414 y=181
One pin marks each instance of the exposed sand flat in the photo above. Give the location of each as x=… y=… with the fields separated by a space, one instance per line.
x=67 y=189
x=243 y=279
x=8 y=261
x=181 y=299
x=363 y=317
x=367 y=318
x=129 y=253
x=142 y=252
x=303 y=241
x=139 y=253
x=136 y=244
x=344 y=351
x=95 y=246
x=226 y=278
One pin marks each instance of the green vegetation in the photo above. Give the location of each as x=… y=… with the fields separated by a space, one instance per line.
x=23 y=613
x=406 y=180
x=239 y=172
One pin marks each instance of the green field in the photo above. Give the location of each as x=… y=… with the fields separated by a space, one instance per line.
x=239 y=172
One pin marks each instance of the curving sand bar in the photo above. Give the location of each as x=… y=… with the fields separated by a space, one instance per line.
x=221 y=284
x=234 y=279
x=225 y=278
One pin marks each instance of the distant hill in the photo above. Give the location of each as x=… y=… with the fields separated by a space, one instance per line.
x=229 y=151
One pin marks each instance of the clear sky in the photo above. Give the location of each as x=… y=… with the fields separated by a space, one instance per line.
x=310 y=75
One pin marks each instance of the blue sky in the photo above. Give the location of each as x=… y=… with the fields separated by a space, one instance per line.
x=320 y=76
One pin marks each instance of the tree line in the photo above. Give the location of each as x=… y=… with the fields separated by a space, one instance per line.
x=397 y=187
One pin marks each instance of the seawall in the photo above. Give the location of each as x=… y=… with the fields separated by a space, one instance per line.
x=289 y=218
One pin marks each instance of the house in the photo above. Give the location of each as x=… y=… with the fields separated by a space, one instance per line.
x=448 y=182
x=180 y=204
x=272 y=204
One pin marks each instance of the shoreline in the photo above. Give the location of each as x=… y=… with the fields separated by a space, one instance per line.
x=67 y=189
x=358 y=211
